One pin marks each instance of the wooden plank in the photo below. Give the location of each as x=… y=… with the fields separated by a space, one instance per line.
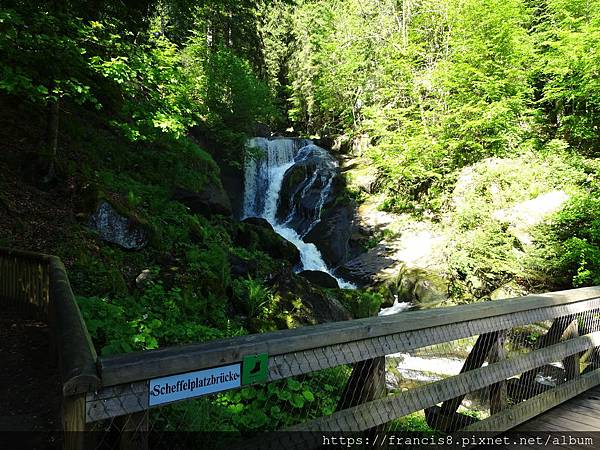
x=114 y=401
x=366 y=383
x=568 y=414
x=511 y=417
x=582 y=408
x=498 y=393
x=282 y=366
x=572 y=363
x=118 y=391
x=134 y=431
x=374 y=413
x=583 y=402
x=380 y=335
x=566 y=423
x=448 y=421
x=552 y=336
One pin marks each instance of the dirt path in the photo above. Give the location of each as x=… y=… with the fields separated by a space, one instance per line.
x=29 y=384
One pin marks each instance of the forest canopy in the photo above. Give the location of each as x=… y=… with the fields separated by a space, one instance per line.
x=434 y=86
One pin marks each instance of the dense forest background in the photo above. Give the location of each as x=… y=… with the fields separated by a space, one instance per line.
x=457 y=111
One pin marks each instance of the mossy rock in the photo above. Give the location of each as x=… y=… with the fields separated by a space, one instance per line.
x=126 y=231
x=256 y=233
x=422 y=288
x=509 y=290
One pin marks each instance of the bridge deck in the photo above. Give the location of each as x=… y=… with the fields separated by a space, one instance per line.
x=31 y=398
x=582 y=413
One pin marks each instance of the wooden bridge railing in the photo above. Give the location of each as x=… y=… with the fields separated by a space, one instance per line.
x=37 y=285
x=126 y=378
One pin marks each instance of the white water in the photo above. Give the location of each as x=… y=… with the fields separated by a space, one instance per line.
x=396 y=308
x=427 y=369
x=262 y=185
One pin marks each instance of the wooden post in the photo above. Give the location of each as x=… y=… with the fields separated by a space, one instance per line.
x=553 y=336
x=134 y=431
x=73 y=421
x=446 y=417
x=498 y=393
x=572 y=363
x=476 y=358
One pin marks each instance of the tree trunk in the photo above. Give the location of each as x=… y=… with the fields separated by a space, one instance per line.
x=52 y=133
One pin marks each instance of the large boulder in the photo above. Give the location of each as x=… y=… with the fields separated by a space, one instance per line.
x=508 y=290
x=259 y=222
x=118 y=229
x=317 y=306
x=210 y=200
x=420 y=287
x=320 y=278
x=242 y=268
x=255 y=232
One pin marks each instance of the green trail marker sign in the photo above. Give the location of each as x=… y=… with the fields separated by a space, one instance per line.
x=255 y=368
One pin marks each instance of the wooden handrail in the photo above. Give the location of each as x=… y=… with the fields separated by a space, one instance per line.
x=76 y=353
x=360 y=418
x=136 y=366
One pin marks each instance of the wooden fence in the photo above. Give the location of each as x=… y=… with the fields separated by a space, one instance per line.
x=119 y=386
x=37 y=285
x=125 y=378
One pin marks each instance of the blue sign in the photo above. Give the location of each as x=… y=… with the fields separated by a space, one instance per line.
x=194 y=384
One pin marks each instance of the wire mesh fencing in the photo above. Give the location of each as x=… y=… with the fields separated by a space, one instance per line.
x=386 y=384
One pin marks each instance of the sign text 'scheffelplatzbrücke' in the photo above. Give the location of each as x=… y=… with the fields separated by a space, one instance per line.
x=194 y=384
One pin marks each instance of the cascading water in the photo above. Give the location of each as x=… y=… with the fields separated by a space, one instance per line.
x=265 y=170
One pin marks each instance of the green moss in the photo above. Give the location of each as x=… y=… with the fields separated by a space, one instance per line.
x=360 y=303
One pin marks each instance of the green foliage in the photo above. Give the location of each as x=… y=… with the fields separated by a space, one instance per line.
x=415 y=423
x=148 y=84
x=157 y=317
x=42 y=76
x=569 y=35
x=431 y=100
x=257 y=299
x=569 y=246
x=258 y=408
x=281 y=404
x=491 y=241
x=359 y=302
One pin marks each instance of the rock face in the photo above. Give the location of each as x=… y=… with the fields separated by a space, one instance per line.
x=118 y=229
x=522 y=216
x=307 y=203
x=143 y=278
x=259 y=222
x=366 y=267
x=332 y=234
x=307 y=188
x=255 y=232
x=508 y=290
x=210 y=200
x=322 y=279
x=240 y=267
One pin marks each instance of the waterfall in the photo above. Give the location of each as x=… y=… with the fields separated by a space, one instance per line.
x=266 y=165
